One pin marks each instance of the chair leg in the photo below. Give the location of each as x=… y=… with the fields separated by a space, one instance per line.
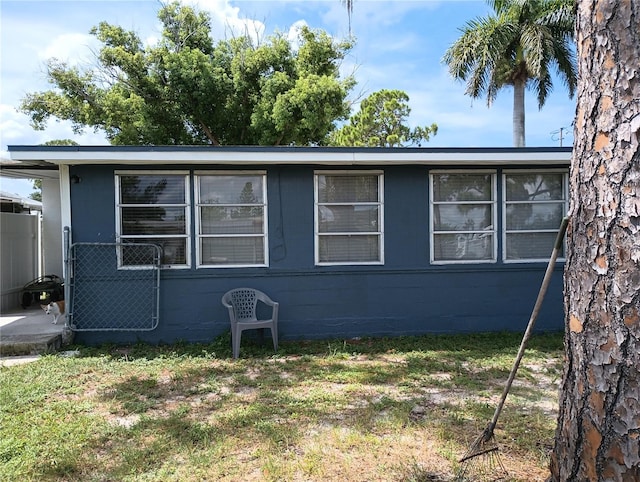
x=236 y=335
x=274 y=335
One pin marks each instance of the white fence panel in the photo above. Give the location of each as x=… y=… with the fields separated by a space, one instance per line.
x=19 y=256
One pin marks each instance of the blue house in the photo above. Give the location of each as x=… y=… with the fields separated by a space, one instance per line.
x=351 y=241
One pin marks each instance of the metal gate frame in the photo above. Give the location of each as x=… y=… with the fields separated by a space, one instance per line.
x=120 y=289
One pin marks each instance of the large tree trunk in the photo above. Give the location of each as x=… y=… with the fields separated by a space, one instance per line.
x=598 y=433
x=518 y=114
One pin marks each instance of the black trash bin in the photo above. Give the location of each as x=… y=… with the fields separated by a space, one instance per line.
x=50 y=284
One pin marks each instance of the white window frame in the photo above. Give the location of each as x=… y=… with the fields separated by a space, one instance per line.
x=199 y=236
x=493 y=203
x=186 y=207
x=380 y=204
x=505 y=203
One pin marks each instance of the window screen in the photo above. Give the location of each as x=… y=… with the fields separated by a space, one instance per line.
x=232 y=219
x=462 y=217
x=349 y=218
x=535 y=203
x=153 y=208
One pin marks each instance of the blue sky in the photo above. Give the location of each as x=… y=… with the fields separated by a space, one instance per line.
x=399 y=45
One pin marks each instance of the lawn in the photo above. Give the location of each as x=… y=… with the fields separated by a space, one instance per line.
x=392 y=409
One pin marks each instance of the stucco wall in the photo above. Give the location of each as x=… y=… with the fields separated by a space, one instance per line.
x=407 y=295
x=51 y=227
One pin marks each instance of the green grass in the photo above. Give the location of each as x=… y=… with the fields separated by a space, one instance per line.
x=317 y=410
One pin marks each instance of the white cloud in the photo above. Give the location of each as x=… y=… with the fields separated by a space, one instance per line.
x=73 y=48
x=226 y=20
x=15 y=130
x=293 y=36
x=11 y=125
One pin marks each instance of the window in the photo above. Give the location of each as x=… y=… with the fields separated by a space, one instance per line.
x=463 y=216
x=348 y=217
x=231 y=218
x=534 y=205
x=153 y=207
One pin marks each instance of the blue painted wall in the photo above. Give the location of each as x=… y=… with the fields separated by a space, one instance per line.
x=406 y=296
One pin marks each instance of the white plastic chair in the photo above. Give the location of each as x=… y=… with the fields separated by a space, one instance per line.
x=241 y=304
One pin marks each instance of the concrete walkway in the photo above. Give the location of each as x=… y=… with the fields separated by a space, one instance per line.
x=29 y=332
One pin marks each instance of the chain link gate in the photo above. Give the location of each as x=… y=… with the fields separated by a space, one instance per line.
x=113 y=286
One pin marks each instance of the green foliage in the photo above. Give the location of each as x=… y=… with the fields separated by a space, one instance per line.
x=518 y=44
x=36 y=195
x=381 y=122
x=61 y=142
x=189 y=90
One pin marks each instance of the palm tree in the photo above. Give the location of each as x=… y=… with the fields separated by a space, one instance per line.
x=516 y=47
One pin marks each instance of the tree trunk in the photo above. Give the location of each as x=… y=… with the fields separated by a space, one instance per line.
x=518 y=114
x=598 y=433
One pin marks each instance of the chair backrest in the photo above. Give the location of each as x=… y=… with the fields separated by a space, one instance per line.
x=244 y=301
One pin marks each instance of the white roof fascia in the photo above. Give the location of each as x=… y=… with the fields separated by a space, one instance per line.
x=181 y=156
x=461 y=158
x=291 y=156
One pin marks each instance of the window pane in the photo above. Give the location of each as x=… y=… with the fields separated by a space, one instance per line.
x=244 y=250
x=462 y=217
x=451 y=247
x=347 y=188
x=533 y=202
x=530 y=245
x=529 y=216
x=174 y=250
x=535 y=187
x=139 y=255
x=153 y=220
x=152 y=189
x=231 y=204
x=356 y=248
x=462 y=187
x=154 y=208
x=340 y=219
x=349 y=204
x=227 y=220
x=241 y=189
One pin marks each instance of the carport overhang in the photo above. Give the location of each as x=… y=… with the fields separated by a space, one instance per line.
x=29 y=169
x=55 y=206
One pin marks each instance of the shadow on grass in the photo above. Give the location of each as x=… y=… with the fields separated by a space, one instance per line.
x=159 y=418
x=468 y=346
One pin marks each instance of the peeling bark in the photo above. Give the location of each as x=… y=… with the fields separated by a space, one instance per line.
x=598 y=432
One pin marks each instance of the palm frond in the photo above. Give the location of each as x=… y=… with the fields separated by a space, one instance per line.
x=564 y=58
x=516 y=45
x=542 y=84
x=348 y=4
x=475 y=56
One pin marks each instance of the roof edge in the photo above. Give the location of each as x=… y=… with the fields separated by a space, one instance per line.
x=254 y=155
x=195 y=148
